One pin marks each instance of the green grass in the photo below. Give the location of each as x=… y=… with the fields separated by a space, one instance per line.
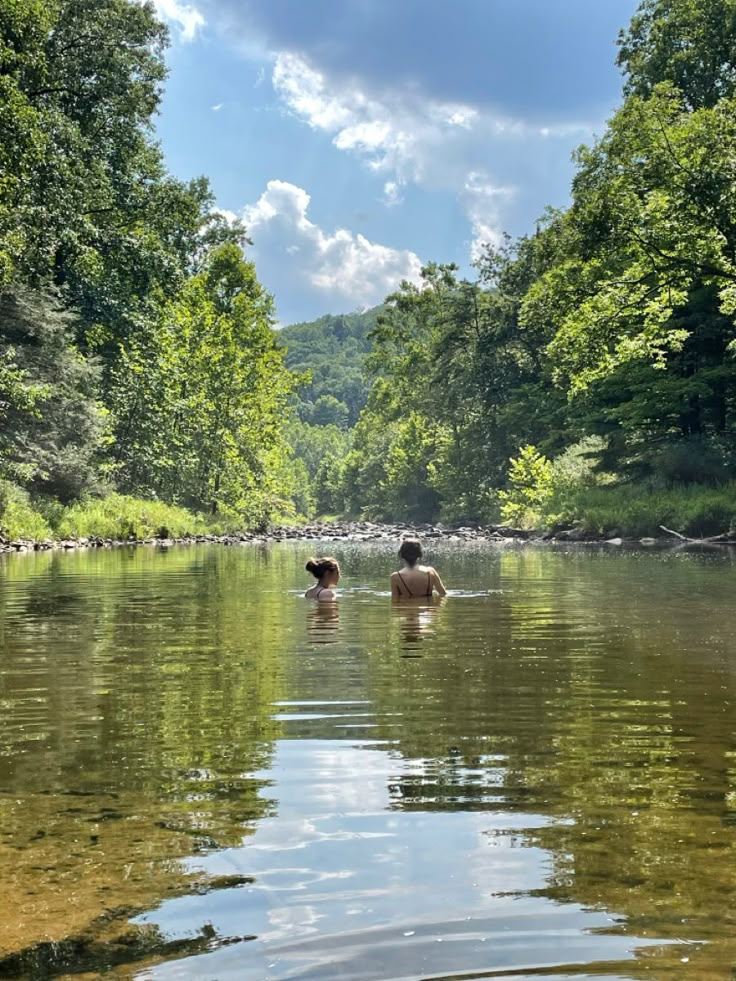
x=115 y=517
x=631 y=510
x=18 y=517
x=637 y=510
x=121 y=517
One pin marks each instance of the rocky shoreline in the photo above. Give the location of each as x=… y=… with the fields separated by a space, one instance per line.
x=368 y=531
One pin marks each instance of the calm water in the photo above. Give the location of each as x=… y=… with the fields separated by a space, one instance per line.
x=202 y=775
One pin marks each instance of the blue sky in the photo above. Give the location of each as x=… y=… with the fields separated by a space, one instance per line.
x=359 y=139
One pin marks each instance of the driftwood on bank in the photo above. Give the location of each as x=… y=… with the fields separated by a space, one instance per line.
x=722 y=539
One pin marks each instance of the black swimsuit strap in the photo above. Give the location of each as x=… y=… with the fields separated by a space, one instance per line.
x=429 y=585
x=406 y=587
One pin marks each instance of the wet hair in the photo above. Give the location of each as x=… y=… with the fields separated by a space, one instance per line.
x=320 y=567
x=411 y=551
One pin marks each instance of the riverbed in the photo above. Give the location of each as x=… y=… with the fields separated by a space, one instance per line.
x=203 y=775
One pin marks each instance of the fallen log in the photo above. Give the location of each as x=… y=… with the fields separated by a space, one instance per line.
x=711 y=540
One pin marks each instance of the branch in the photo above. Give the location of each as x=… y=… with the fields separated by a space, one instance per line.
x=676 y=534
x=697 y=541
x=51 y=90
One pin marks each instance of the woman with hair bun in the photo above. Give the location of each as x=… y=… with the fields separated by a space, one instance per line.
x=415 y=581
x=327 y=573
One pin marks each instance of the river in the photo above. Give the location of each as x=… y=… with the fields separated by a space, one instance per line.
x=203 y=775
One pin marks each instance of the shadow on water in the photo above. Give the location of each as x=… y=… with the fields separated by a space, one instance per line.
x=203 y=775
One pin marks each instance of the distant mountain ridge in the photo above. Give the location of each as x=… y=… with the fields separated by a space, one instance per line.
x=333 y=349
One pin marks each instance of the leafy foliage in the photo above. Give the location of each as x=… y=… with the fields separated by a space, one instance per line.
x=53 y=423
x=642 y=509
x=607 y=338
x=136 y=344
x=201 y=408
x=330 y=353
x=530 y=488
x=137 y=348
x=121 y=517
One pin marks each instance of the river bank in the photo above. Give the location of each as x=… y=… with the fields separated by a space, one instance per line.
x=368 y=531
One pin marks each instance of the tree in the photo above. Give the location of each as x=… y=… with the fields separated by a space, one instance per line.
x=200 y=419
x=690 y=43
x=53 y=425
x=80 y=82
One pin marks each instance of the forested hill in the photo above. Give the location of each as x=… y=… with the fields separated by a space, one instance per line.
x=331 y=350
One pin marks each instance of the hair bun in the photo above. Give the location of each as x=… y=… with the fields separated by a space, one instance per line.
x=320 y=567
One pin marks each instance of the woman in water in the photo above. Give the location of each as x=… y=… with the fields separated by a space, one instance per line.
x=327 y=573
x=413 y=580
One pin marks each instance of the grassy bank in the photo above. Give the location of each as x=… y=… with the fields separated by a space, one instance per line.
x=637 y=510
x=115 y=516
x=629 y=510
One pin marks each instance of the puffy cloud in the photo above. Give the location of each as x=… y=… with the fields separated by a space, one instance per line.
x=188 y=19
x=298 y=258
x=412 y=138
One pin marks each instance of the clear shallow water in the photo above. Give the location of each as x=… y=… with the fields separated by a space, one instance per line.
x=202 y=775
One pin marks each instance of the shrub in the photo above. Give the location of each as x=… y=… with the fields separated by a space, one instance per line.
x=695 y=460
x=530 y=488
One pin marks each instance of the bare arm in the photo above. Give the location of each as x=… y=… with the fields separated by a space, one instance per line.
x=438 y=584
x=395 y=591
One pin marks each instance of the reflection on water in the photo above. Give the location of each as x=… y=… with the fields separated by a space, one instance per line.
x=417 y=619
x=323 y=620
x=202 y=775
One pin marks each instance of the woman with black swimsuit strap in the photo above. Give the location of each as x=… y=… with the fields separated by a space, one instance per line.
x=415 y=581
x=327 y=573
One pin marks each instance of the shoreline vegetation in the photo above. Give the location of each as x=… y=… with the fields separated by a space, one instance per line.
x=109 y=534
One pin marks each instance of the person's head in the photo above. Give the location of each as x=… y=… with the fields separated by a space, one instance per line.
x=326 y=570
x=410 y=551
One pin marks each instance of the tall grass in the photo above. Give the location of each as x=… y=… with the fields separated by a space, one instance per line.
x=121 y=517
x=638 y=510
x=116 y=517
x=18 y=517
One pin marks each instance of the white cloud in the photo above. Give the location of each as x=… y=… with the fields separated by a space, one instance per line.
x=397 y=134
x=293 y=252
x=482 y=200
x=391 y=194
x=217 y=107
x=438 y=145
x=184 y=15
x=229 y=216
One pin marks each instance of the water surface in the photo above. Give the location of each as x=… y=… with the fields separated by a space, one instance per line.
x=203 y=775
